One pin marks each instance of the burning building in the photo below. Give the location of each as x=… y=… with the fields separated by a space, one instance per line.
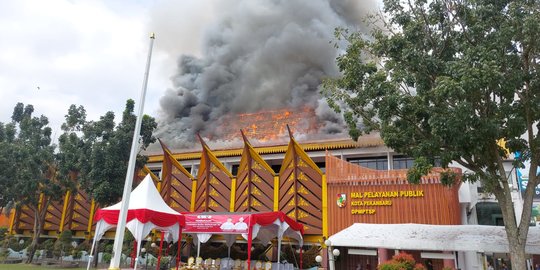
x=262 y=66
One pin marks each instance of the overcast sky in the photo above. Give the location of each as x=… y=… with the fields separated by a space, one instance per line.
x=56 y=53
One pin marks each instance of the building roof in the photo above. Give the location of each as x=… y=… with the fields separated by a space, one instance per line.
x=479 y=238
x=371 y=140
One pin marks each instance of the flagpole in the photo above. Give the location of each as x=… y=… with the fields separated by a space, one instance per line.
x=119 y=236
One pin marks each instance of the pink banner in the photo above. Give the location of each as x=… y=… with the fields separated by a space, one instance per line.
x=220 y=223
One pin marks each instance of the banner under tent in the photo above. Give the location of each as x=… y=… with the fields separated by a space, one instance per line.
x=147 y=211
x=263 y=226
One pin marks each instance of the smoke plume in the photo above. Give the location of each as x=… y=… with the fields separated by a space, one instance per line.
x=258 y=55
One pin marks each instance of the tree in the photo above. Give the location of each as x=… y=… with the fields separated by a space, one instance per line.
x=450 y=79
x=7 y=136
x=96 y=154
x=28 y=171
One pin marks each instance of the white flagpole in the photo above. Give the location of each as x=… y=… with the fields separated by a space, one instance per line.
x=119 y=236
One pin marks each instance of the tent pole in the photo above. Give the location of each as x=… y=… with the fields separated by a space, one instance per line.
x=138 y=247
x=178 y=252
x=301 y=257
x=250 y=234
x=160 y=249
x=133 y=252
x=279 y=253
x=198 y=247
x=91 y=253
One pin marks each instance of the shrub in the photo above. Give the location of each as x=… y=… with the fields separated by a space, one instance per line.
x=3 y=233
x=76 y=254
x=4 y=253
x=107 y=257
x=48 y=246
x=401 y=261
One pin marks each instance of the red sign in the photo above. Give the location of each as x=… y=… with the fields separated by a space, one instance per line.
x=221 y=224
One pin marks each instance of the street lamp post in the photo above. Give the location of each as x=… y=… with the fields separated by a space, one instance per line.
x=143 y=251
x=332 y=255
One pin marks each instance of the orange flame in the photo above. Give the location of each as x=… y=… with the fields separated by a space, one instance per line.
x=269 y=125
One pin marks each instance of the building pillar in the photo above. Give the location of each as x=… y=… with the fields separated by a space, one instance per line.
x=464 y=216
x=382 y=254
x=449 y=262
x=325 y=258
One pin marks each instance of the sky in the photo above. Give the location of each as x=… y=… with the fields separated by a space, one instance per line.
x=92 y=53
x=211 y=58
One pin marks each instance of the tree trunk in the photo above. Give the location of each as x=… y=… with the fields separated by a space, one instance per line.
x=35 y=237
x=516 y=244
x=518 y=256
x=39 y=218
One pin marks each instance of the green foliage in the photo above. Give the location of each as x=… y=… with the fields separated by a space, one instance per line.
x=108 y=248
x=66 y=237
x=3 y=233
x=48 y=247
x=76 y=254
x=535 y=211
x=127 y=246
x=4 y=253
x=96 y=153
x=107 y=257
x=17 y=244
x=449 y=79
x=26 y=156
x=62 y=246
x=164 y=263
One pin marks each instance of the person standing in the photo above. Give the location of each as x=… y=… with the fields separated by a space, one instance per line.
x=429 y=265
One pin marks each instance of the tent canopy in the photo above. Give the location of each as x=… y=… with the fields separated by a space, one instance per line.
x=479 y=238
x=146 y=211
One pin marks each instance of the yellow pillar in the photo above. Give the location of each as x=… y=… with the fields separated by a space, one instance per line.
x=64 y=210
x=12 y=220
x=233 y=195
x=91 y=218
x=276 y=193
x=193 y=194
x=324 y=206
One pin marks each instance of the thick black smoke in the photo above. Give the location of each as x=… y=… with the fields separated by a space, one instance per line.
x=259 y=55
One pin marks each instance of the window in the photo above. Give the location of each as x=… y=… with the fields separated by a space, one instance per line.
x=234 y=170
x=489 y=213
x=156 y=172
x=377 y=163
x=402 y=162
x=276 y=168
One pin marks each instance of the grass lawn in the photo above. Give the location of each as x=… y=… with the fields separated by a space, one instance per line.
x=22 y=266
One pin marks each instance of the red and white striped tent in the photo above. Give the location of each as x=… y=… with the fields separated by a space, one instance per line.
x=147 y=211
